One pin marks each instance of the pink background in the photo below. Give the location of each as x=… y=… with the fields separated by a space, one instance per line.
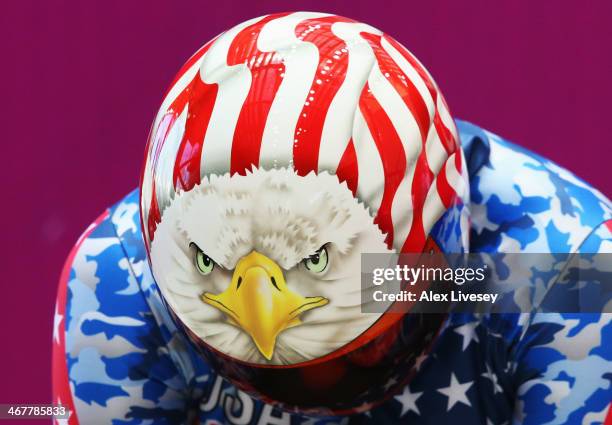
x=81 y=82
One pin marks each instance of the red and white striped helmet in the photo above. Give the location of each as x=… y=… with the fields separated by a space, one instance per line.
x=323 y=94
x=315 y=92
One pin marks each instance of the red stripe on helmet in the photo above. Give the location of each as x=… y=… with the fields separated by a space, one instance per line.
x=267 y=70
x=391 y=152
x=331 y=73
x=201 y=101
x=401 y=84
x=154 y=214
x=423 y=178
x=445 y=190
x=446 y=137
x=348 y=169
x=458 y=159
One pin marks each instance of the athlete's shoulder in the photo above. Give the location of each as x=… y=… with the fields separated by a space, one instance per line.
x=116 y=334
x=107 y=261
x=522 y=202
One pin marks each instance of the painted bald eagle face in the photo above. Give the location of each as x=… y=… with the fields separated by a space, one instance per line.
x=266 y=267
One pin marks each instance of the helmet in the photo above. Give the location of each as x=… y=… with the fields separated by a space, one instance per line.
x=284 y=149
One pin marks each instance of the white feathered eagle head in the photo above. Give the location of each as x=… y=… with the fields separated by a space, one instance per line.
x=265 y=267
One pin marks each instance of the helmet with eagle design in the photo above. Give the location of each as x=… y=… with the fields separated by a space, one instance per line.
x=284 y=149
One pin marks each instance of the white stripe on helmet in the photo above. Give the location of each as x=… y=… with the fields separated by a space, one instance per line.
x=411 y=73
x=164 y=172
x=408 y=131
x=337 y=129
x=371 y=182
x=300 y=60
x=234 y=83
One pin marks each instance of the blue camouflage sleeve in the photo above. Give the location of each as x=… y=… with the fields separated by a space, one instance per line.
x=117 y=358
x=564 y=361
x=560 y=364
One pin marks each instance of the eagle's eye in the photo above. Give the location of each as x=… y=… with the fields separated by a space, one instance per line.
x=317 y=263
x=203 y=262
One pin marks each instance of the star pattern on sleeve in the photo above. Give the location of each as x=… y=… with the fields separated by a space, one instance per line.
x=468 y=332
x=456 y=392
x=408 y=400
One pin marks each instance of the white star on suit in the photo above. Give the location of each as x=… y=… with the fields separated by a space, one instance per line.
x=62 y=421
x=468 y=332
x=408 y=401
x=57 y=320
x=456 y=392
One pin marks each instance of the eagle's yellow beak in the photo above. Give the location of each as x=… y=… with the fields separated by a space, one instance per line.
x=259 y=301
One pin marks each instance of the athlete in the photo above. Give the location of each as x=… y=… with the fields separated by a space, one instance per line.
x=226 y=289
